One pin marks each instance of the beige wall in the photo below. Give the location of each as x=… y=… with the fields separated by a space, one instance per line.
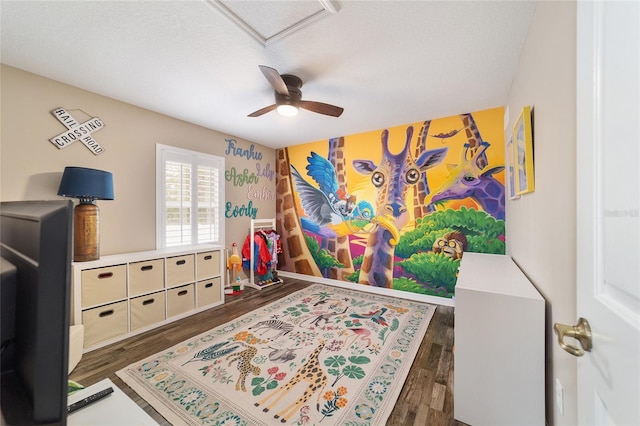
x=31 y=166
x=541 y=225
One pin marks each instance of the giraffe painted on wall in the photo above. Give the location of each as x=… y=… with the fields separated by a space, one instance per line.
x=339 y=246
x=469 y=179
x=421 y=190
x=392 y=177
x=312 y=373
x=474 y=139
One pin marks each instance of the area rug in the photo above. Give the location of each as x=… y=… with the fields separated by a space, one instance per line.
x=321 y=355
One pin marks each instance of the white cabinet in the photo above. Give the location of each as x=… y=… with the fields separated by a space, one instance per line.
x=499 y=370
x=118 y=296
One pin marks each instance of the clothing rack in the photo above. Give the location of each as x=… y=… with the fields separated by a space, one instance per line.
x=256 y=225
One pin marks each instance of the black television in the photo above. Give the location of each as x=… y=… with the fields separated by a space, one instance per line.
x=35 y=245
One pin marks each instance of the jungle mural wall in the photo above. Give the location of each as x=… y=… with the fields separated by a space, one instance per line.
x=394 y=208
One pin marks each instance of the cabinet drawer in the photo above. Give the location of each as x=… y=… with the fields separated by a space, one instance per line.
x=209 y=291
x=180 y=300
x=104 y=322
x=147 y=310
x=103 y=285
x=180 y=270
x=145 y=277
x=208 y=264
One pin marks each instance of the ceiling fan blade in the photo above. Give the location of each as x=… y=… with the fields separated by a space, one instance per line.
x=274 y=78
x=322 y=108
x=262 y=111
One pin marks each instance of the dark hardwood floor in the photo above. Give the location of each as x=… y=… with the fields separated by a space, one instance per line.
x=426 y=398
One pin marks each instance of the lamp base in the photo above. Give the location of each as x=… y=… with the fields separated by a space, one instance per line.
x=86 y=237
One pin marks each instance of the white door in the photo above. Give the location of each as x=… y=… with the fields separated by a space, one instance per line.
x=608 y=210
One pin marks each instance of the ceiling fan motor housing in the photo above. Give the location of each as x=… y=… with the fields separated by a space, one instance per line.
x=292 y=81
x=295 y=94
x=287 y=93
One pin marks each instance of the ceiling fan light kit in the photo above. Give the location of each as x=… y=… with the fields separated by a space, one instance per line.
x=287 y=110
x=289 y=96
x=288 y=104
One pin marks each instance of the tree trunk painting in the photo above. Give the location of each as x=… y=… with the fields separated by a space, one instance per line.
x=295 y=255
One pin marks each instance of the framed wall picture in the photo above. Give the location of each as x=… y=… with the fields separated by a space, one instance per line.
x=523 y=152
x=511 y=172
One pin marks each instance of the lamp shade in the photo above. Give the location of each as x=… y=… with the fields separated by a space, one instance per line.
x=86 y=184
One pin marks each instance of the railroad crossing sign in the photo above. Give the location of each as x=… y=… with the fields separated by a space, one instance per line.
x=75 y=131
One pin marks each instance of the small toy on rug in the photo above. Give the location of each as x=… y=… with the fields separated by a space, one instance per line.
x=235 y=289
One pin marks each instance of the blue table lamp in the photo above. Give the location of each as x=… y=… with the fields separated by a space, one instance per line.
x=87 y=185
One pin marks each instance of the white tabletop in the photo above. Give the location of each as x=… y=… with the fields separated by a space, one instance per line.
x=114 y=409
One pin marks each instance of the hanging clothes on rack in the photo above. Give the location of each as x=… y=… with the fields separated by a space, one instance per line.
x=261 y=253
x=274 y=246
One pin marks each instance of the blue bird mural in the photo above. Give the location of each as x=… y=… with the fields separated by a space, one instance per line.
x=330 y=212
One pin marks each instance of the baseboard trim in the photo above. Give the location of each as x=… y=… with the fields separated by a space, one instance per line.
x=370 y=289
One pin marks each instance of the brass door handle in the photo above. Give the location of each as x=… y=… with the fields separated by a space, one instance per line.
x=581 y=332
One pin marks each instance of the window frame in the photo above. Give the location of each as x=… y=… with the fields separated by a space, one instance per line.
x=166 y=153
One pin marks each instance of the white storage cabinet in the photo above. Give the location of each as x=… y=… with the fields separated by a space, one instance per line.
x=499 y=370
x=118 y=296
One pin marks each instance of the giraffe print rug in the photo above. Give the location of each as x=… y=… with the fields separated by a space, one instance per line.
x=322 y=355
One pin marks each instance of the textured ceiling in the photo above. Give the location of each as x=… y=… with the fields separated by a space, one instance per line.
x=386 y=62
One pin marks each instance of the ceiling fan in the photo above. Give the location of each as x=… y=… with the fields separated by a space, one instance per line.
x=289 y=97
